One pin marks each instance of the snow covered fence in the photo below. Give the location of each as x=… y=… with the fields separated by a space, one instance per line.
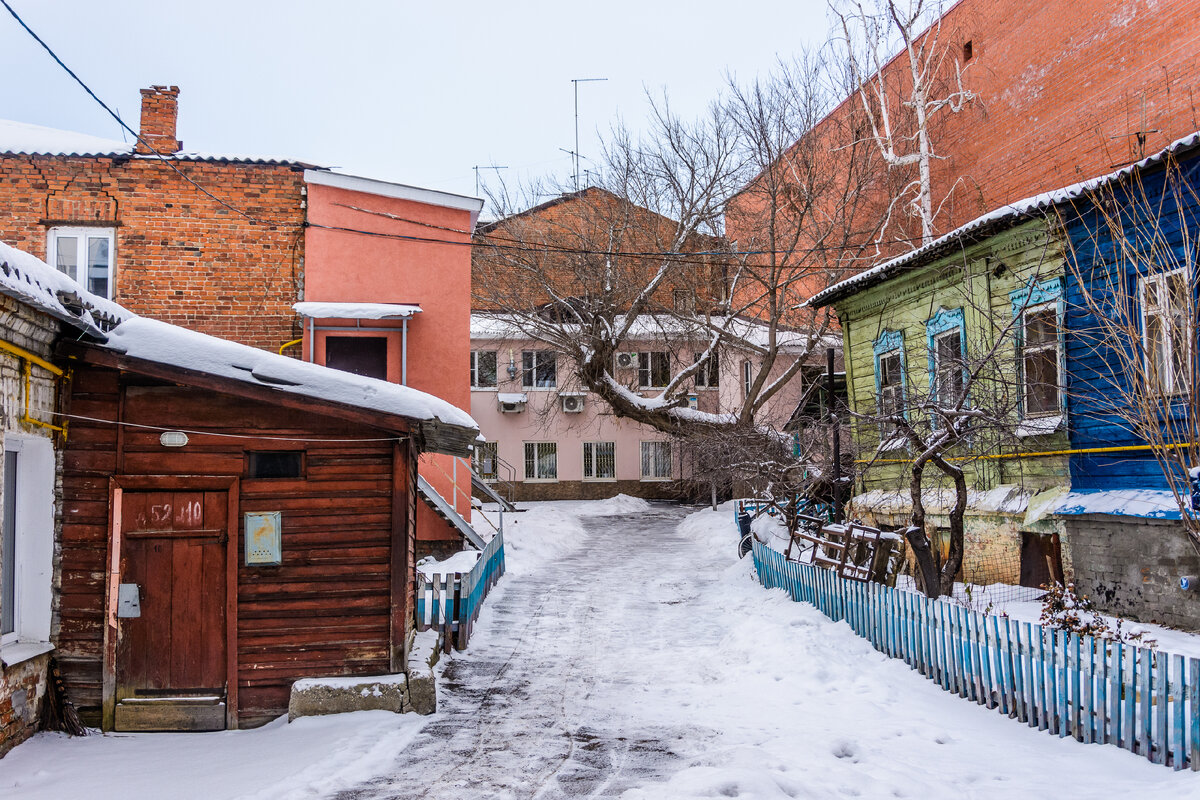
x=452 y=601
x=1095 y=690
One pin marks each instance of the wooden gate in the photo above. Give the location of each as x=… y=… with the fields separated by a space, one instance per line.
x=169 y=606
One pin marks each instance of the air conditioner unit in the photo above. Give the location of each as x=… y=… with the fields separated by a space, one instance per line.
x=627 y=360
x=511 y=402
x=572 y=403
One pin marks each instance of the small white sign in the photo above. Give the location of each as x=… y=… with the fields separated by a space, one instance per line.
x=264 y=545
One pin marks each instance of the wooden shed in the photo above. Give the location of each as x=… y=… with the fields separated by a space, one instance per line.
x=232 y=521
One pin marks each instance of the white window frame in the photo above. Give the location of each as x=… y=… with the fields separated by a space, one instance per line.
x=34 y=550
x=537 y=446
x=747 y=377
x=1026 y=350
x=475 y=384
x=889 y=439
x=647 y=366
x=529 y=374
x=593 y=461
x=955 y=335
x=656 y=460
x=709 y=374
x=82 y=234
x=1166 y=382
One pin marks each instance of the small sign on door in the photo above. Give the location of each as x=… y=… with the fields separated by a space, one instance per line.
x=264 y=539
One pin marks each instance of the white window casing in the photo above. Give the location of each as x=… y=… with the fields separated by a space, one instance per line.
x=599 y=461
x=656 y=460
x=84 y=254
x=541 y=461
x=28 y=547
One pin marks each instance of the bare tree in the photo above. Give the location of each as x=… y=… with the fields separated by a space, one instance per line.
x=1135 y=270
x=903 y=104
x=706 y=236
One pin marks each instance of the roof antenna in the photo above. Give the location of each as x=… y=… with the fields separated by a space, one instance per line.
x=575 y=82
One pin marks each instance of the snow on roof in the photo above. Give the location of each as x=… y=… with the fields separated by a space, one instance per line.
x=1151 y=503
x=23 y=138
x=31 y=280
x=654 y=327
x=35 y=282
x=162 y=343
x=356 y=310
x=993 y=219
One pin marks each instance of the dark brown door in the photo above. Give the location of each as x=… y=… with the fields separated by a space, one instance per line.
x=171 y=648
x=362 y=355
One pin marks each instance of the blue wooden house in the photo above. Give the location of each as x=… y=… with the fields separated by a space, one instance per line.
x=1130 y=362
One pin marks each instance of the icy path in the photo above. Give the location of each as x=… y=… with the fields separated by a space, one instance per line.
x=642 y=664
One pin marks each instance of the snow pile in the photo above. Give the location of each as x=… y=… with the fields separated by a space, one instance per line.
x=1150 y=503
x=621 y=504
x=463 y=561
x=311 y=757
x=545 y=532
x=356 y=310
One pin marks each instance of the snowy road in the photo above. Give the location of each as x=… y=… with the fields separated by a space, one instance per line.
x=644 y=664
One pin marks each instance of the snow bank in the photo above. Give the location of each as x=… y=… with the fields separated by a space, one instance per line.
x=311 y=757
x=543 y=533
x=621 y=504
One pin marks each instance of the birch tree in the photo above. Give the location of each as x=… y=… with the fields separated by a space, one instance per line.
x=903 y=100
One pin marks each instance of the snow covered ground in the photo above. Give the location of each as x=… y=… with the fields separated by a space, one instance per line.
x=625 y=656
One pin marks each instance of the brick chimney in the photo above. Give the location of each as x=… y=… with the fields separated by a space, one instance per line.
x=160 y=108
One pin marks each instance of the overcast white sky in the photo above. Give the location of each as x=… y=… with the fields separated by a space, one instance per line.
x=416 y=92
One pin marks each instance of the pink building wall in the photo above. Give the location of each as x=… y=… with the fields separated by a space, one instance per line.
x=375 y=242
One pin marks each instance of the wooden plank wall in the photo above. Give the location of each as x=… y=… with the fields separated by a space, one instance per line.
x=324 y=611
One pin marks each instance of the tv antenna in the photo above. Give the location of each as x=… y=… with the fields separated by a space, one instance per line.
x=575 y=82
x=478 y=167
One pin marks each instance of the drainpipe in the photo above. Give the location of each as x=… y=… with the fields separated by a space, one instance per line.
x=312 y=340
x=404 y=351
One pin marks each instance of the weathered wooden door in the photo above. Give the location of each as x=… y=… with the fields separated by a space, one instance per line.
x=171 y=626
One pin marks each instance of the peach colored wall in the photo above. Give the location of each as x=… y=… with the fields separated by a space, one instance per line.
x=542 y=422
x=348 y=267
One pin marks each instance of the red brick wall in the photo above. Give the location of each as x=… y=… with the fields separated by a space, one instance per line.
x=1063 y=88
x=21 y=689
x=180 y=256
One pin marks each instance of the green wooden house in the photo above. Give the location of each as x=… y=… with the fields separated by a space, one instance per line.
x=977 y=312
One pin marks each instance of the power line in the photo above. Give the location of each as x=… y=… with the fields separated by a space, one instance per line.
x=120 y=121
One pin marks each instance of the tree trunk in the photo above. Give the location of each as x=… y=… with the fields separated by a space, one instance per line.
x=954 y=558
x=918 y=541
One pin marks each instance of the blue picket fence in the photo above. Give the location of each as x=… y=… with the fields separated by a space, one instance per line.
x=452 y=601
x=1095 y=690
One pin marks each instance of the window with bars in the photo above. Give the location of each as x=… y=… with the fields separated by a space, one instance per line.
x=709 y=374
x=1166 y=304
x=538 y=369
x=85 y=255
x=656 y=459
x=654 y=370
x=599 y=461
x=484 y=460
x=541 y=461
x=949 y=371
x=1040 y=361
x=483 y=369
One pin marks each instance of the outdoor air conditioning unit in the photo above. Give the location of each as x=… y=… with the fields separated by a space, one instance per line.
x=571 y=403
x=511 y=402
x=627 y=360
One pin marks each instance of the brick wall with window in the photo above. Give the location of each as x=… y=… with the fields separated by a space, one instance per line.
x=134 y=229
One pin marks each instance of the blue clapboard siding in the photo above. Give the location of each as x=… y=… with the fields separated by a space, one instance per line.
x=1093 y=690
x=1087 y=367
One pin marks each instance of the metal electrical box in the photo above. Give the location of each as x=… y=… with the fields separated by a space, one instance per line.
x=129 y=600
x=264 y=546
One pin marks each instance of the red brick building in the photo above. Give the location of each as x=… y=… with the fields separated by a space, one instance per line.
x=210 y=242
x=1065 y=90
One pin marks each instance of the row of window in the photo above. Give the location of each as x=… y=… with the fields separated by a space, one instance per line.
x=539 y=369
x=599 y=460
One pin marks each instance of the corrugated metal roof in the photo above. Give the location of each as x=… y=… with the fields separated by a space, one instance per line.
x=989 y=222
x=23 y=138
